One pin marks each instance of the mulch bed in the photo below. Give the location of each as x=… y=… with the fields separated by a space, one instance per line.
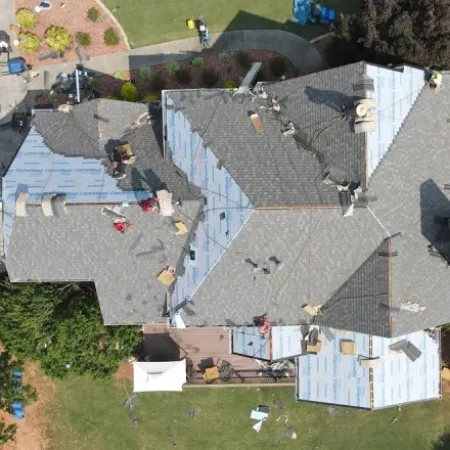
x=231 y=70
x=73 y=16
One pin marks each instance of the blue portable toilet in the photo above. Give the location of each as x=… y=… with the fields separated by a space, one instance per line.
x=18 y=414
x=17 y=374
x=17 y=66
x=324 y=15
x=17 y=404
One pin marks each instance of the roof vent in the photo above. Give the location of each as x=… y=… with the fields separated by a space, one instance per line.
x=54 y=205
x=256 y=122
x=249 y=78
x=365 y=115
x=369 y=363
x=288 y=129
x=21 y=204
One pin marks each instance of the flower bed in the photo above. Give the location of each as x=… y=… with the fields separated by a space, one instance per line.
x=71 y=15
x=226 y=66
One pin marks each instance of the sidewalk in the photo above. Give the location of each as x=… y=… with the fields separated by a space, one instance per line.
x=302 y=54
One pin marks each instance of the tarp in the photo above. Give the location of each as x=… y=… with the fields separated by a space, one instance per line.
x=159 y=376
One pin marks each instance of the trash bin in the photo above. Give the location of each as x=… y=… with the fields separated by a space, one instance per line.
x=191 y=24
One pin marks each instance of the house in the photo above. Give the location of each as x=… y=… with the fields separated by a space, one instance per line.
x=320 y=200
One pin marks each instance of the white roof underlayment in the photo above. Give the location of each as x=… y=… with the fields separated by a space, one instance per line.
x=164 y=376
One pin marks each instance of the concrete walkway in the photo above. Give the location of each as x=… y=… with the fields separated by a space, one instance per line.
x=300 y=52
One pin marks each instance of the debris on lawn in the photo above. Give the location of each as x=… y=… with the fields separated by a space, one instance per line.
x=278 y=404
x=333 y=412
x=257 y=426
x=258 y=415
x=290 y=433
x=263 y=408
x=395 y=419
x=286 y=418
x=192 y=412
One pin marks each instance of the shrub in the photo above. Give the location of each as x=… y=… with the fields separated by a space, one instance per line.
x=58 y=39
x=84 y=39
x=198 y=62
x=129 y=92
x=209 y=78
x=171 y=68
x=277 y=66
x=157 y=82
x=243 y=59
x=26 y=19
x=230 y=84
x=150 y=98
x=94 y=83
x=224 y=57
x=110 y=37
x=120 y=76
x=145 y=72
x=93 y=14
x=29 y=42
x=183 y=75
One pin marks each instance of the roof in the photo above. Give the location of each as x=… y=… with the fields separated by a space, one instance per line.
x=83 y=244
x=332 y=377
x=356 y=268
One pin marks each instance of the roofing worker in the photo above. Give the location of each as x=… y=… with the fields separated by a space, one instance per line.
x=436 y=81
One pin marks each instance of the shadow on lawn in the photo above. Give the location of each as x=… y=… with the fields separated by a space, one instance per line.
x=443 y=442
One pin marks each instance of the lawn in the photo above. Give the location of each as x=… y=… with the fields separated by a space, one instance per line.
x=89 y=414
x=150 y=22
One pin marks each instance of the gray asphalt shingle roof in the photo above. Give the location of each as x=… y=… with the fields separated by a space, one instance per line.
x=83 y=245
x=272 y=169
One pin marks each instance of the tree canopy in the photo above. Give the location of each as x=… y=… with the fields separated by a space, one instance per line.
x=61 y=327
x=411 y=31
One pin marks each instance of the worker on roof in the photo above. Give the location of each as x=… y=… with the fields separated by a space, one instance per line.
x=436 y=81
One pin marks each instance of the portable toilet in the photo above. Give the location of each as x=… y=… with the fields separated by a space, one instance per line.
x=302 y=9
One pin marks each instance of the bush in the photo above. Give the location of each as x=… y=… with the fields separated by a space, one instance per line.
x=157 y=82
x=277 y=66
x=84 y=39
x=230 y=84
x=58 y=39
x=209 y=78
x=94 y=83
x=110 y=37
x=171 y=68
x=93 y=14
x=111 y=97
x=29 y=42
x=183 y=75
x=243 y=59
x=149 y=98
x=26 y=19
x=7 y=433
x=224 y=57
x=198 y=62
x=145 y=72
x=129 y=92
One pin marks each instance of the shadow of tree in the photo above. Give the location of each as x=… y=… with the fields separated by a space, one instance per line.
x=443 y=442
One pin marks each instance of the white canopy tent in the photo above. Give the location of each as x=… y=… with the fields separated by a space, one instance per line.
x=159 y=376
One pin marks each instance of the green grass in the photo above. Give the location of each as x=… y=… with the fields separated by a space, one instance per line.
x=150 y=22
x=89 y=415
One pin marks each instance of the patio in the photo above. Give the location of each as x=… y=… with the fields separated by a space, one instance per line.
x=205 y=347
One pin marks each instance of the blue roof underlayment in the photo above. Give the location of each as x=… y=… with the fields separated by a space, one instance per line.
x=334 y=378
x=395 y=93
x=330 y=377
x=282 y=342
x=39 y=171
x=226 y=210
x=399 y=380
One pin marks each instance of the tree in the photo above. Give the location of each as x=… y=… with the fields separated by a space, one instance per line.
x=416 y=31
x=443 y=442
x=7 y=433
x=62 y=328
x=58 y=39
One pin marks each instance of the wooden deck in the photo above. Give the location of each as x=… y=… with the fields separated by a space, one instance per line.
x=204 y=346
